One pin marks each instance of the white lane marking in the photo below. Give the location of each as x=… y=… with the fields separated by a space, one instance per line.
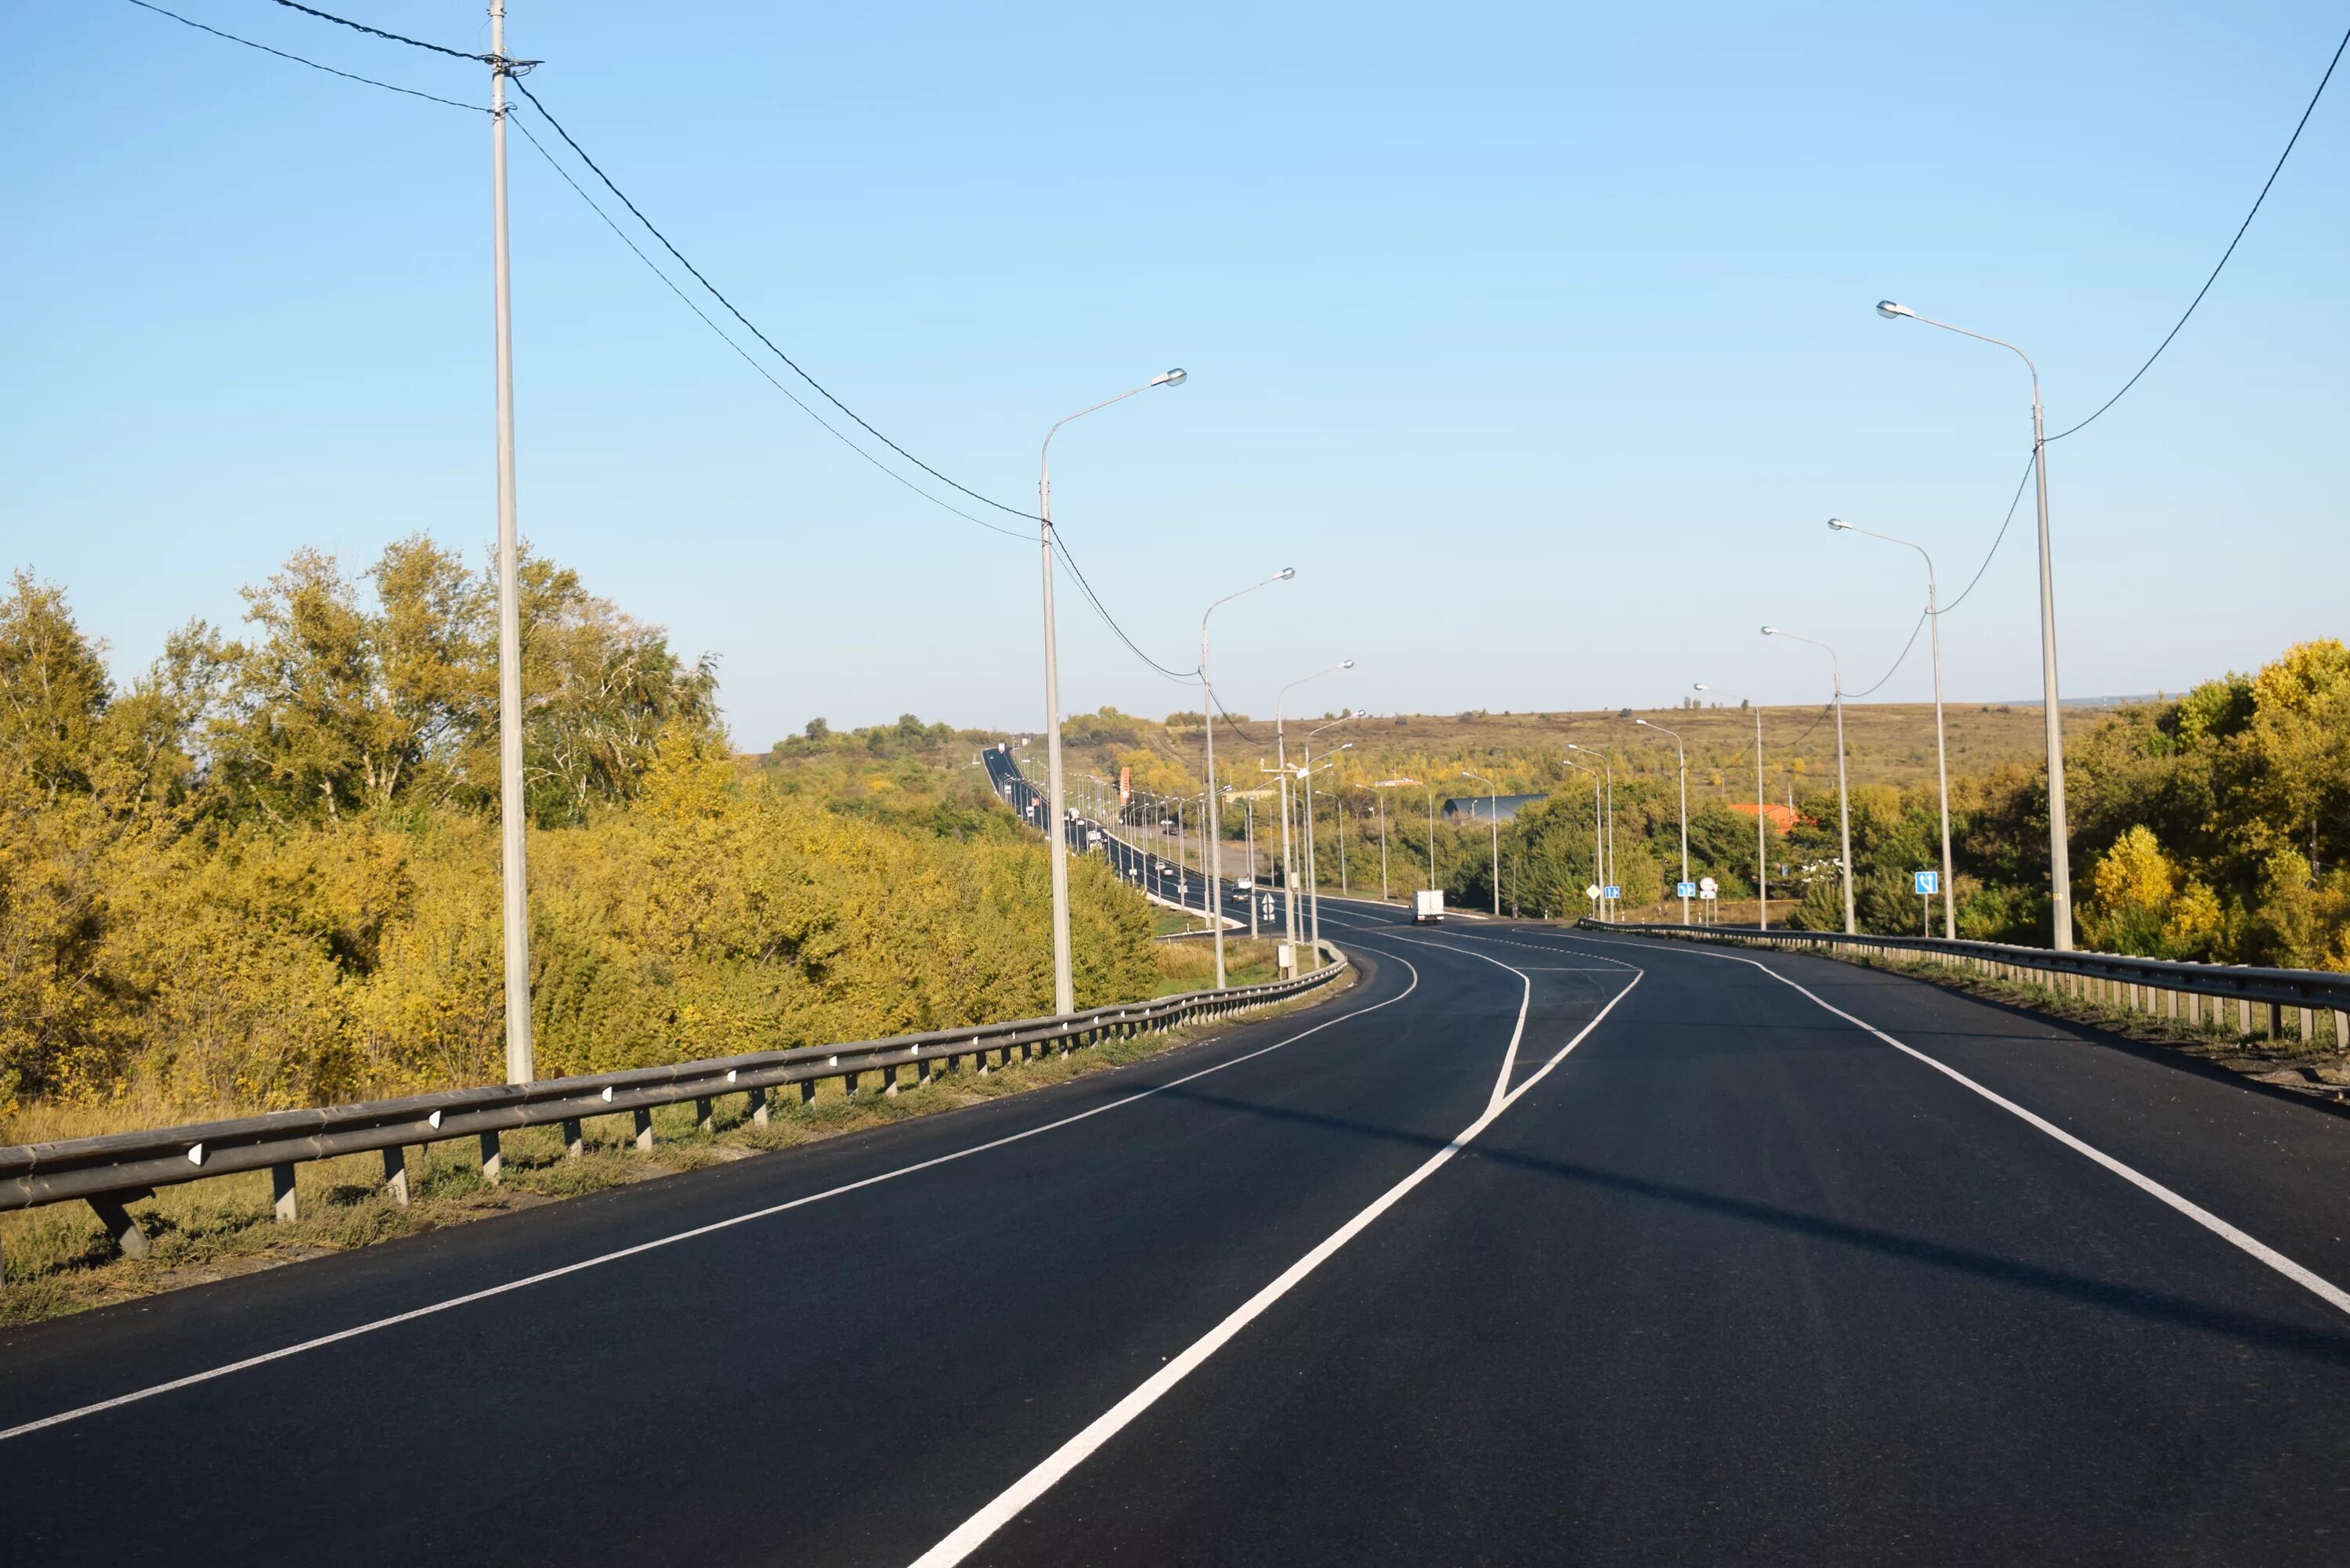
x=356 y=1330
x=1541 y=948
x=2310 y=1281
x=966 y=1537
x=1526 y=999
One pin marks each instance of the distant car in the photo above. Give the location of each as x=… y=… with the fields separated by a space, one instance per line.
x=1164 y=870
x=1245 y=884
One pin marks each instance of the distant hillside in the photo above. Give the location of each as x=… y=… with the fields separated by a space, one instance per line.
x=1888 y=742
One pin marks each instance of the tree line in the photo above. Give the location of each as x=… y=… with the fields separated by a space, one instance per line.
x=263 y=870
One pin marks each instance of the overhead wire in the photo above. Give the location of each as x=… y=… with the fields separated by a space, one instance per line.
x=571 y=141
x=723 y=336
x=2241 y=228
x=396 y=38
x=313 y=65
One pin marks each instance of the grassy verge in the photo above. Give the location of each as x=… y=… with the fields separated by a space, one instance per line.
x=2318 y=1066
x=56 y=1259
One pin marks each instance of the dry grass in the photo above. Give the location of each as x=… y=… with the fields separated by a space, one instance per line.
x=57 y=1259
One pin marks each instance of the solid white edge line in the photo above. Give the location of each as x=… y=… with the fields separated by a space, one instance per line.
x=967 y=1537
x=2310 y=1281
x=356 y=1330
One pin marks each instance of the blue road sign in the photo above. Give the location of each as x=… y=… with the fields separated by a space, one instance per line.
x=1685 y=889
x=1615 y=890
x=1928 y=883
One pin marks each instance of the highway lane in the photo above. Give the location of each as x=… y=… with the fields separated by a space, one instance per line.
x=1748 y=1285
x=1734 y=1280
x=1139 y=858
x=837 y=1381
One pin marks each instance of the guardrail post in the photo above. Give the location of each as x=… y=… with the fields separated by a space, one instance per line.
x=575 y=1142
x=494 y=1159
x=2341 y=1033
x=759 y=1107
x=2308 y=1029
x=644 y=1122
x=395 y=1174
x=123 y=1230
x=704 y=1119
x=889 y=1080
x=282 y=1200
x=2244 y=1016
x=807 y=1091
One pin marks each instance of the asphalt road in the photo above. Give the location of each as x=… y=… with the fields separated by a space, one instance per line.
x=1534 y=1247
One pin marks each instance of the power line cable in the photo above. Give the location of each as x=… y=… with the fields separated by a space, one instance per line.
x=2013 y=503
x=398 y=37
x=299 y=60
x=748 y=324
x=2230 y=251
x=1111 y=621
x=748 y=359
x=1899 y=660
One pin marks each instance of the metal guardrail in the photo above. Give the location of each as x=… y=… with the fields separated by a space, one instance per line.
x=119 y=1168
x=2171 y=986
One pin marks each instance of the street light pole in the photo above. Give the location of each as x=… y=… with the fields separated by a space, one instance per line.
x=2060 y=852
x=1762 y=832
x=1941 y=754
x=1683 y=753
x=1604 y=838
x=1249 y=808
x=513 y=808
x=1598 y=871
x=1065 y=994
x=1208 y=720
x=1281 y=761
x=1843 y=795
x=1493 y=819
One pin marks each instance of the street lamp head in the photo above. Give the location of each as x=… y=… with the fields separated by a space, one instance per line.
x=1644 y=723
x=1770 y=631
x=1839 y=525
x=1891 y=311
x=1345 y=664
x=1699 y=686
x=1285 y=573
x=1177 y=377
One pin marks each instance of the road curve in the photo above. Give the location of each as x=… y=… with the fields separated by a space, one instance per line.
x=1536 y=1247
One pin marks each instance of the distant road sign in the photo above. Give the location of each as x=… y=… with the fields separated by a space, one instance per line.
x=1615 y=889
x=1592 y=891
x=1928 y=883
x=1708 y=886
x=1685 y=889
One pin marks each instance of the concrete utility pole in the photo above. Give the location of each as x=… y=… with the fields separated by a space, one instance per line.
x=1065 y=991
x=1493 y=820
x=512 y=821
x=1762 y=833
x=1844 y=794
x=1249 y=807
x=1215 y=826
x=1941 y=753
x=1603 y=835
x=1281 y=761
x=2060 y=851
x=1682 y=752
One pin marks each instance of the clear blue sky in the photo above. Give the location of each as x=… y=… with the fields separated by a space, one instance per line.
x=1537 y=337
